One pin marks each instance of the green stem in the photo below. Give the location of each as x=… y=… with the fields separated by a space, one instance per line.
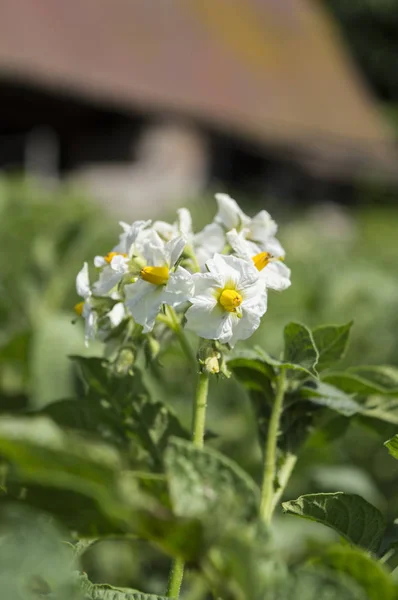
x=268 y=490
x=175 y=325
x=283 y=478
x=198 y=433
x=199 y=412
x=175 y=578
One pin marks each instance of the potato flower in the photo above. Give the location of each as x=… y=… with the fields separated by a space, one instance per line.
x=273 y=272
x=159 y=281
x=228 y=301
x=116 y=263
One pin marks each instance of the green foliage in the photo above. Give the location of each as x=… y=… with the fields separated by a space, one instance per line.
x=204 y=482
x=369 y=574
x=331 y=342
x=300 y=349
x=350 y=515
x=392 y=446
x=93 y=591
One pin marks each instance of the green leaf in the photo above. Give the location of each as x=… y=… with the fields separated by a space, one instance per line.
x=383 y=408
x=34 y=561
x=321 y=584
x=392 y=446
x=331 y=342
x=357 y=564
x=365 y=380
x=331 y=397
x=43 y=454
x=203 y=481
x=95 y=591
x=300 y=348
x=348 y=514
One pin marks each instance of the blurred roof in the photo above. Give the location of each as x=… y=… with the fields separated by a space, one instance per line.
x=273 y=71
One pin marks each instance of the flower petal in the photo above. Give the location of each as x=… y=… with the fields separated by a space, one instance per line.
x=229 y=213
x=184 y=223
x=108 y=279
x=174 y=249
x=179 y=288
x=83 y=282
x=209 y=321
x=117 y=314
x=99 y=261
x=208 y=241
x=276 y=275
x=144 y=300
x=239 y=245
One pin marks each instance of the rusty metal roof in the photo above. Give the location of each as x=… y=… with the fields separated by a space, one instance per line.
x=273 y=71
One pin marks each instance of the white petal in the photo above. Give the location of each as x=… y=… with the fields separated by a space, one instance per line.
x=276 y=275
x=83 y=282
x=239 y=245
x=236 y=270
x=90 y=317
x=144 y=300
x=209 y=321
x=154 y=250
x=108 y=279
x=119 y=264
x=136 y=229
x=116 y=314
x=274 y=247
x=262 y=227
x=245 y=326
x=165 y=230
x=184 y=221
x=229 y=213
x=174 y=249
x=99 y=261
x=208 y=241
x=205 y=286
x=179 y=288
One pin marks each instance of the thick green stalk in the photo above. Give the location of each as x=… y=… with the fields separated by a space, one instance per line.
x=198 y=433
x=268 y=489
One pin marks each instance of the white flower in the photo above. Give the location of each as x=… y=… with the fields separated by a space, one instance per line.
x=157 y=283
x=84 y=308
x=272 y=271
x=259 y=231
x=203 y=244
x=228 y=302
x=115 y=264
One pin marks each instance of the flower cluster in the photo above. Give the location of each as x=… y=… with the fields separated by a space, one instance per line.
x=217 y=279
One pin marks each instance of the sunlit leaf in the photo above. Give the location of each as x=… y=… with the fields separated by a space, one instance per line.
x=95 y=591
x=348 y=514
x=392 y=446
x=331 y=397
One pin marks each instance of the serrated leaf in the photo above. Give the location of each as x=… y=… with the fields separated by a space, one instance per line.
x=95 y=591
x=392 y=446
x=348 y=514
x=331 y=397
x=331 y=342
x=366 y=572
x=300 y=348
x=202 y=481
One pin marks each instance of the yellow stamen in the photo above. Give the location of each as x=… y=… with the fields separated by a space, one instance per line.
x=108 y=257
x=155 y=275
x=261 y=260
x=78 y=308
x=230 y=300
